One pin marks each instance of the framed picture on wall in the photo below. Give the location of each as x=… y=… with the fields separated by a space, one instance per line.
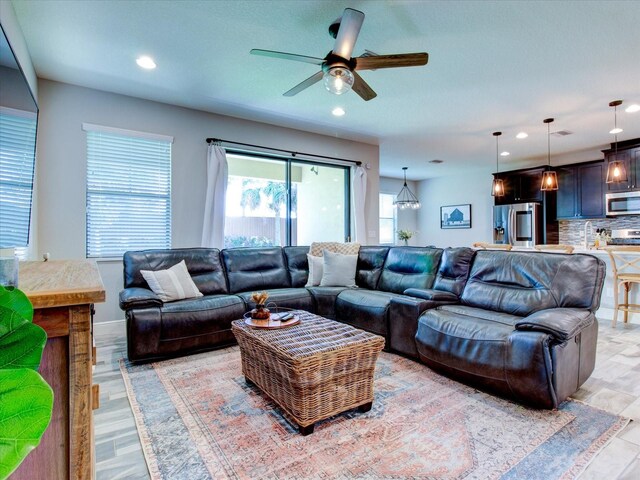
x=455 y=216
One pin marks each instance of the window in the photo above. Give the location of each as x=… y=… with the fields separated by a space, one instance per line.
x=387 y=219
x=17 y=158
x=277 y=201
x=128 y=191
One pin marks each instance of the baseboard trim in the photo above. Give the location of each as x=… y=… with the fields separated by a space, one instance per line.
x=108 y=322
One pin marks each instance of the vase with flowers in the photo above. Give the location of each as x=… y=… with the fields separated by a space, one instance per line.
x=405 y=236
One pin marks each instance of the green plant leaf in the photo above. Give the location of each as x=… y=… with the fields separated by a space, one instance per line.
x=26 y=402
x=21 y=342
x=16 y=300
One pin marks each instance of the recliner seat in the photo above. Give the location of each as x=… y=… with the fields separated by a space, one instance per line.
x=520 y=315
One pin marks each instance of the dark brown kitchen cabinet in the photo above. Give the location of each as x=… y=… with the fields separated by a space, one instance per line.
x=521 y=186
x=581 y=189
x=629 y=154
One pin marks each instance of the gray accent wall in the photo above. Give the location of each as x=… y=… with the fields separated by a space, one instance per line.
x=61 y=166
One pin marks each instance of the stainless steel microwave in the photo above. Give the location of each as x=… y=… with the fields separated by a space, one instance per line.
x=623 y=203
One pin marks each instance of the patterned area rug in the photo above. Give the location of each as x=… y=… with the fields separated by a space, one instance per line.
x=198 y=419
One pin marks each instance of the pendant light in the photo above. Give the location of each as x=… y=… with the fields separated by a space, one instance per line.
x=406 y=198
x=616 y=171
x=549 y=177
x=497 y=188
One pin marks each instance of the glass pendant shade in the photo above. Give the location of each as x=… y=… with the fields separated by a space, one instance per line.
x=406 y=198
x=338 y=80
x=549 y=181
x=549 y=177
x=616 y=172
x=497 y=188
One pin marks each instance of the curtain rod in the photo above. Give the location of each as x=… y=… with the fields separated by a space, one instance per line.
x=213 y=140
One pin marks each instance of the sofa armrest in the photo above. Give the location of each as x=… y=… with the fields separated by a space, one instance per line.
x=136 y=297
x=431 y=294
x=561 y=323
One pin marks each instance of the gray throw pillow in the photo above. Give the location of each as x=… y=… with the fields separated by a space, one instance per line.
x=172 y=284
x=338 y=270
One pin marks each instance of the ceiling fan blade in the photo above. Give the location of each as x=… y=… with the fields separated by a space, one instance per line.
x=362 y=88
x=287 y=56
x=392 y=61
x=350 y=25
x=315 y=78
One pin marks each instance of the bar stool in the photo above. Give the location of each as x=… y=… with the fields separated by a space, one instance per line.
x=625 y=264
x=555 y=248
x=492 y=246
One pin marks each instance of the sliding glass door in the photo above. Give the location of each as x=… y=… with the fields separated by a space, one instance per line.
x=277 y=201
x=321 y=209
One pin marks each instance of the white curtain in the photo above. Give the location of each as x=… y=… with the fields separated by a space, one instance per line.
x=359 y=193
x=214 y=206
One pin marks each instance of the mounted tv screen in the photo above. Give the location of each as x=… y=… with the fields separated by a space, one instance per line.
x=18 y=125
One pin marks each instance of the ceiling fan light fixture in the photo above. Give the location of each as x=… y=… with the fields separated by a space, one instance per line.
x=405 y=198
x=338 y=80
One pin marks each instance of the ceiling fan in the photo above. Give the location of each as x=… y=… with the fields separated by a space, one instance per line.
x=338 y=68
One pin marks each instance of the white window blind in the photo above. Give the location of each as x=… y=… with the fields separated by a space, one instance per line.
x=17 y=158
x=128 y=192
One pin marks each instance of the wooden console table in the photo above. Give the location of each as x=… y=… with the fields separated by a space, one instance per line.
x=62 y=293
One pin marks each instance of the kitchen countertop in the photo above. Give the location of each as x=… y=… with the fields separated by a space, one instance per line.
x=577 y=249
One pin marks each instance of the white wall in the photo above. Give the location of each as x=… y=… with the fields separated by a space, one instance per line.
x=474 y=188
x=61 y=166
x=15 y=36
x=406 y=219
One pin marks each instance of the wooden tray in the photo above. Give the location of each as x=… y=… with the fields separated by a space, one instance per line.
x=272 y=322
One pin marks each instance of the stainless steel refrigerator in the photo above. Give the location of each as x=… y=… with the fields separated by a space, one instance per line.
x=518 y=224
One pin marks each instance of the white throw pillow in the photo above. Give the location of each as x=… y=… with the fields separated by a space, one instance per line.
x=338 y=270
x=315 y=271
x=172 y=284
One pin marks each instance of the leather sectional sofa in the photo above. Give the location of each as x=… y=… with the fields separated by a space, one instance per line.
x=518 y=324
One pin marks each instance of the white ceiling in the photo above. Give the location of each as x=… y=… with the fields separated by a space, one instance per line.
x=492 y=66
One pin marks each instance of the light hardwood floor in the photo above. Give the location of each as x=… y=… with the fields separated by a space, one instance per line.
x=614 y=386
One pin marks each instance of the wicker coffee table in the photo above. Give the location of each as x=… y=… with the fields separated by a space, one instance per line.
x=312 y=370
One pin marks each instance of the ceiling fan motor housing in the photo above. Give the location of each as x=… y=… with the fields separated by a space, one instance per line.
x=333 y=60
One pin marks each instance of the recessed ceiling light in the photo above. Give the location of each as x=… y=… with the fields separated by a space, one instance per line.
x=522 y=135
x=146 y=62
x=505 y=154
x=633 y=108
x=338 y=111
x=616 y=130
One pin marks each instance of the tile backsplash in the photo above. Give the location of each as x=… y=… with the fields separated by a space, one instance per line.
x=570 y=230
